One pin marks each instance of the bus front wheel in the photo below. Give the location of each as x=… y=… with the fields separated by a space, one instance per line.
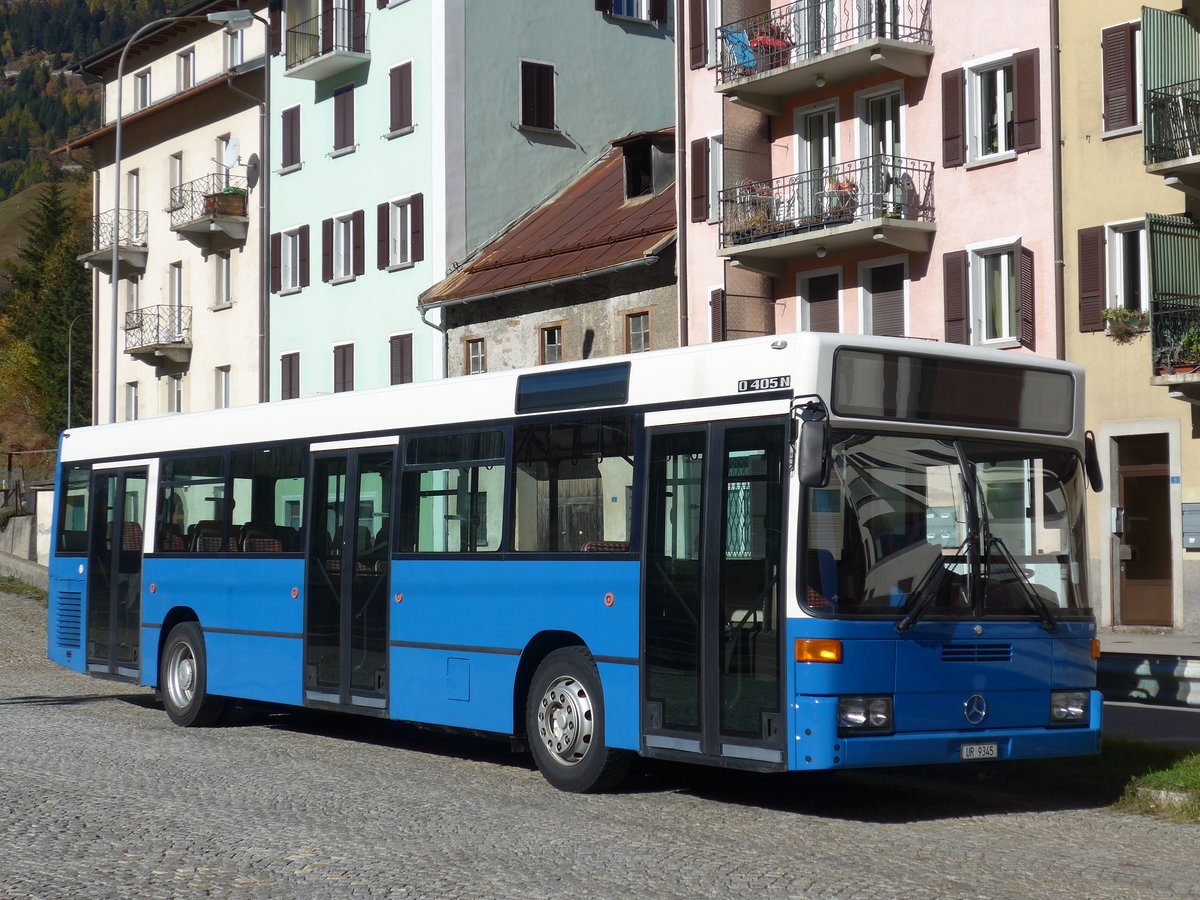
x=183 y=679
x=564 y=720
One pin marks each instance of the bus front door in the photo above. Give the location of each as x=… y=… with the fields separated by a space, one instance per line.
x=712 y=678
x=114 y=589
x=345 y=627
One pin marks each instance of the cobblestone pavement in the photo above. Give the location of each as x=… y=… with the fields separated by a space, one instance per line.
x=100 y=796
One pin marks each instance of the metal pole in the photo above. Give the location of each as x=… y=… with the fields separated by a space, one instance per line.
x=70 y=393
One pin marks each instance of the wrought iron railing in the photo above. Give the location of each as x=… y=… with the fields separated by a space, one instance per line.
x=210 y=195
x=875 y=187
x=127 y=227
x=1173 y=122
x=154 y=325
x=1175 y=331
x=801 y=31
x=335 y=31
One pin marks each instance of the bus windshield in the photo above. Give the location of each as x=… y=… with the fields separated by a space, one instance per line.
x=928 y=528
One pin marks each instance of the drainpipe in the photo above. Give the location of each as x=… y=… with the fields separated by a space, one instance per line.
x=1060 y=303
x=681 y=193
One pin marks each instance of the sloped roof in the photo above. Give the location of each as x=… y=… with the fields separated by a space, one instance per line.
x=588 y=227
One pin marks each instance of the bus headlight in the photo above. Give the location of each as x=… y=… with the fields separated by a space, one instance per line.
x=1070 y=707
x=859 y=715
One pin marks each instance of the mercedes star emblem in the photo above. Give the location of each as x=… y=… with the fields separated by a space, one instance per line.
x=975 y=709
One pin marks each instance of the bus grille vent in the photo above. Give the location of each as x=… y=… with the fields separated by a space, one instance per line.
x=970 y=653
x=68 y=632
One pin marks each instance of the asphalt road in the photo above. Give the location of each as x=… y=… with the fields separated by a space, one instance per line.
x=100 y=796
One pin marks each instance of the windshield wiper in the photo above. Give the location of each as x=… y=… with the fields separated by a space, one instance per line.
x=927 y=590
x=1036 y=600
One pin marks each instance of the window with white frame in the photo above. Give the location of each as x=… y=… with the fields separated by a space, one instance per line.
x=1127 y=272
x=343 y=247
x=289 y=260
x=990 y=109
x=132 y=301
x=637 y=331
x=222 y=390
x=820 y=300
x=716 y=164
x=222 y=280
x=175 y=180
x=175 y=393
x=995 y=298
x=141 y=90
x=631 y=9
x=131 y=401
x=552 y=343
x=399 y=233
x=235 y=48
x=475 y=356
x=185 y=70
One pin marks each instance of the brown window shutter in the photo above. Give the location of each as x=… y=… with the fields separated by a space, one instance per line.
x=343 y=368
x=289 y=376
x=291 y=136
x=383 y=220
x=1116 y=52
x=402 y=362
x=823 y=296
x=327 y=250
x=658 y=10
x=326 y=26
x=716 y=302
x=537 y=95
x=381 y=4
x=1026 y=100
x=304 y=280
x=358 y=251
x=358 y=26
x=401 y=97
x=416 y=225
x=276 y=262
x=954 y=118
x=343 y=117
x=276 y=30
x=954 y=291
x=1092 y=287
x=604 y=6
x=699 y=156
x=697 y=33
x=1028 y=309
x=886 y=287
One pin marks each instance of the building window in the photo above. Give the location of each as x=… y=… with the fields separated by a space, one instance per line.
x=343 y=248
x=820 y=309
x=400 y=224
x=289 y=260
x=141 y=90
x=342 y=252
x=289 y=376
x=174 y=321
x=131 y=401
x=996 y=295
x=185 y=70
x=290 y=156
x=992 y=111
x=552 y=343
x=175 y=178
x=476 y=356
x=132 y=301
x=221 y=388
x=343 y=120
x=343 y=368
x=400 y=115
x=222 y=280
x=400 y=351
x=175 y=393
x=537 y=95
x=235 y=48
x=1127 y=274
x=1121 y=72
x=637 y=332
x=883 y=307
x=989 y=295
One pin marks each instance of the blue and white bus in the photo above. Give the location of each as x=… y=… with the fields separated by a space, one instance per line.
x=795 y=553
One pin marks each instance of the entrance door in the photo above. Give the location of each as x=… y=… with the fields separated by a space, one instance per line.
x=818 y=157
x=349 y=536
x=1144 y=551
x=712 y=682
x=114 y=604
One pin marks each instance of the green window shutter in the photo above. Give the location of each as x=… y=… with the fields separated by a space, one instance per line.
x=1174 y=250
x=1171 y=54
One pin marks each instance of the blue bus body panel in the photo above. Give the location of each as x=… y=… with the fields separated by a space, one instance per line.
x=494 y=608
x=66 y=622
x=930 y=672
x=252 y=625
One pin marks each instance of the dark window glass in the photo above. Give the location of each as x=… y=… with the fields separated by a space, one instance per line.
x=574 y=389
x=73 y=510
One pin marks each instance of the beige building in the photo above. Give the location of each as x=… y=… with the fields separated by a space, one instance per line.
x=186 y=327
x=1131 y=175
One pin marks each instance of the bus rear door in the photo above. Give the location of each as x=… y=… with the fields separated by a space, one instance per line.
x=114 y=589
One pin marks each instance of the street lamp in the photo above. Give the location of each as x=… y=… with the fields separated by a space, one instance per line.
x=232 y=20
x=70 y=394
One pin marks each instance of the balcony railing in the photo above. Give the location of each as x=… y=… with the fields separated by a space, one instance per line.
x=1175 y=332
x=337 y=31
x=220 y=195
x=156 y=326
x=795 y=34
x=861 y=190
x=127 y=227
x=1173 y=122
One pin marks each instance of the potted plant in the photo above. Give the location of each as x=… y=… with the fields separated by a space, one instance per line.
x=229 y=201
x=1123 y=325
x=842 y=197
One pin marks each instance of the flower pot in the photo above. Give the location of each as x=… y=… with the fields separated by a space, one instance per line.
x=225 y=205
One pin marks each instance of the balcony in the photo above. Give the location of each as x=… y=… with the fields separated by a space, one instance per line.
x=1172 y=135
x=159 y=332
x=816 y=43
x=126 y=227
x=327 y=45
x=852 y=205
x=211 y=212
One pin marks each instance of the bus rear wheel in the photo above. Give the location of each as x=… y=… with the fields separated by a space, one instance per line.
x=564 y=720
x=183 y=679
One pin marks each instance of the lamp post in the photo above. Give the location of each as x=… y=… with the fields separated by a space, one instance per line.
x=232 y=20
x=70 y=393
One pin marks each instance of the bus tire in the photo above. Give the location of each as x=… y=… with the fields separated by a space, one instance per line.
x=564 y=721
x=183 y=679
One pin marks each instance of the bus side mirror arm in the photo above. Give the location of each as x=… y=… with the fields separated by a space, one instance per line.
x=813 y=446
x=1091 y=462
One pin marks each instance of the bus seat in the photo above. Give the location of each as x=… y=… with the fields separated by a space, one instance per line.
x=606 y=547
x=131 y=536
x=172 y=538
x=206 y=538
x=261 y=543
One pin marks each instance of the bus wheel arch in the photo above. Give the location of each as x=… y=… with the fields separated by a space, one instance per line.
x=183 y=678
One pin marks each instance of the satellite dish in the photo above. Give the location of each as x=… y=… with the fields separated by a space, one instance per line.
x=233 y=153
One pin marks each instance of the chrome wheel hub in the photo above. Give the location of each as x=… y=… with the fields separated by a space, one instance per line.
x=565 y=720
x=181 y=676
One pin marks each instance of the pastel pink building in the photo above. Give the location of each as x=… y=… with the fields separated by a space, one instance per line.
x=871 y=166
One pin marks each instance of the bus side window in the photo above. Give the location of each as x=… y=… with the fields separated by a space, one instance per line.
x=453 y=493
x=73 y=513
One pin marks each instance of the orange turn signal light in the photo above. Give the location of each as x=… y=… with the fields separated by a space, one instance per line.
x=827 y=650
x=1095 y=649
